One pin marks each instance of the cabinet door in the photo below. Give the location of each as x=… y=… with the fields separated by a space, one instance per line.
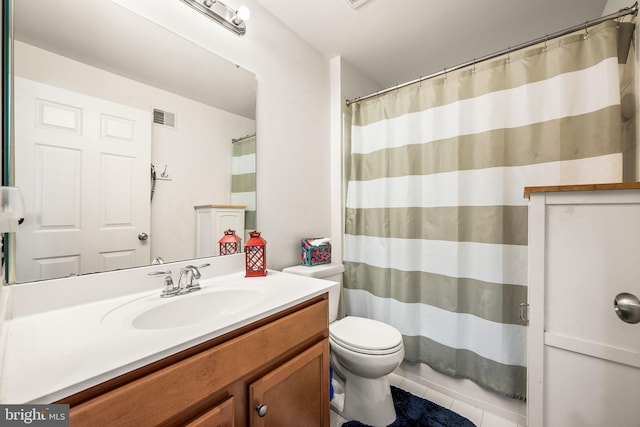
x=219 y=416
x=294 y=394
x=584 y=367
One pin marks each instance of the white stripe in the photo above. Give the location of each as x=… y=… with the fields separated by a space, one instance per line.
x=243 y=164
x=481 y=187
x=494 y=263
x=248 y=199
x=500 y=342
x=567 y=94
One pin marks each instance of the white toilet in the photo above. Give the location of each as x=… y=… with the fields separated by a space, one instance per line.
x=363 y=353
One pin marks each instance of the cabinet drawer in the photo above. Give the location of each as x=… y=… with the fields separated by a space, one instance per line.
x=163 y=394
x=219 y=416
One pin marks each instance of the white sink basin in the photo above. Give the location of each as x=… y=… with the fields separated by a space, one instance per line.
x=207 y=305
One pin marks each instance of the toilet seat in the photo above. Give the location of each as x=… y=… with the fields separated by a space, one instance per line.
x=366 y=336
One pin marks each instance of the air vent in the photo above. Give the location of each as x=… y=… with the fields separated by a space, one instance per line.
x=356 y=3
x=164 y=118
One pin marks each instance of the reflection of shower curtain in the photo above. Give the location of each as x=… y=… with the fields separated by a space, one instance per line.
x=243 y=179
x=436 y=222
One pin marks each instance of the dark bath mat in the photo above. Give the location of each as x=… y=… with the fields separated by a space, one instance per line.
x=413 y=411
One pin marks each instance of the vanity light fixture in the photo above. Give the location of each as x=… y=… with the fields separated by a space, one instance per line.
x=233 y=20
x=11 y=209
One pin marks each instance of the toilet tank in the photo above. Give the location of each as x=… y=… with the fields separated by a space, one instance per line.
x=332 y=272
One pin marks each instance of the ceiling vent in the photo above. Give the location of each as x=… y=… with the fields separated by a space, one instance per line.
x=356 y=3
x=164 y=118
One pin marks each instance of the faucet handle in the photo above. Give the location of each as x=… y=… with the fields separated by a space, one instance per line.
x=159 y=273
x=169 y=289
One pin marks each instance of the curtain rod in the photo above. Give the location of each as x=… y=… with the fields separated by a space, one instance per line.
x=632 y=10
x=242 y=138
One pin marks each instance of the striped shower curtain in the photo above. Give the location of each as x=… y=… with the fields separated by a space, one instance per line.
x=436 y=223
x=243 y=180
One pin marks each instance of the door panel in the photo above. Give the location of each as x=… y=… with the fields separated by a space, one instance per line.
x=88 y=198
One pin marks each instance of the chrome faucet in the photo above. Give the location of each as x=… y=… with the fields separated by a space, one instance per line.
x=187 y=282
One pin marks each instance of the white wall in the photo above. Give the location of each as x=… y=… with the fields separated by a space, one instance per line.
x=293 y=149
x=197 y=151
x=346 y=83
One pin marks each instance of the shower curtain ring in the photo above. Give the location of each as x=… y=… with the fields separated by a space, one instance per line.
x=546 y=36
x=473 y=70
x=509 y=55
x=586 y=30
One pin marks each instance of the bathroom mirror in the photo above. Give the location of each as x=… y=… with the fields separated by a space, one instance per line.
x=163 y=113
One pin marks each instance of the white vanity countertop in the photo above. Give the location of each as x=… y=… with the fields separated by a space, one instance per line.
x=52 y=354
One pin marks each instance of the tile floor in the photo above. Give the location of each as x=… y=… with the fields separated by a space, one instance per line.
x=479 y=417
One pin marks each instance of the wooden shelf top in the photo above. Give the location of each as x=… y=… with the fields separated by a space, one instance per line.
x=581 y=187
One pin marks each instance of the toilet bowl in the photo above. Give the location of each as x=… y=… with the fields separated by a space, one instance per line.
x=363 y=353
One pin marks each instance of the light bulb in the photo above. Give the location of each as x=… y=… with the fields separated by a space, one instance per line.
x=243 y=13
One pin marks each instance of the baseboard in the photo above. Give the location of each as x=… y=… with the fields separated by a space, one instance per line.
x=465 y=391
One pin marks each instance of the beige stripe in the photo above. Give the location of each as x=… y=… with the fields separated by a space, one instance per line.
x=491 y=301
x=580 y=137
x=505 y=225
x=249 y=220
x=243 y=183
x=562 y=55
x=506 y=380
x=244 y=147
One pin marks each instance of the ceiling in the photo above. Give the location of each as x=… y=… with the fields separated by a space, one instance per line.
x=395 y=41
x=388 y=41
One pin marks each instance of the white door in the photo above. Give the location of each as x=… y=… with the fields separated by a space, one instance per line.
x=83 y=165
x=584 y=364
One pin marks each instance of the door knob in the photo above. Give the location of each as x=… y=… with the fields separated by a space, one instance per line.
x=143 y=236
x=261 y=410
x=627 y=307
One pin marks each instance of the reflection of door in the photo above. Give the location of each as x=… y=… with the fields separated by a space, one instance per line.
x=83 y=166
x=584 y=362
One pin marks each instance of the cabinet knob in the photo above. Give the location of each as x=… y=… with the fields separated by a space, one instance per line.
x=261 y=410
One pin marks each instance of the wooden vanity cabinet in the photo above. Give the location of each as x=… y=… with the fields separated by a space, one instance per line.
x=281 y=362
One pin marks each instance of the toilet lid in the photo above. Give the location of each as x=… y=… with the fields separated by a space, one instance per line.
x=365 y=335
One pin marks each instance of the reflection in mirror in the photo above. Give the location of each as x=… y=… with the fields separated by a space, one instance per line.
x=121 y=129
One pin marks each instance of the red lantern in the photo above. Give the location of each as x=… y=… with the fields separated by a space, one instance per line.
x=230 y=243
x=255 y=255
